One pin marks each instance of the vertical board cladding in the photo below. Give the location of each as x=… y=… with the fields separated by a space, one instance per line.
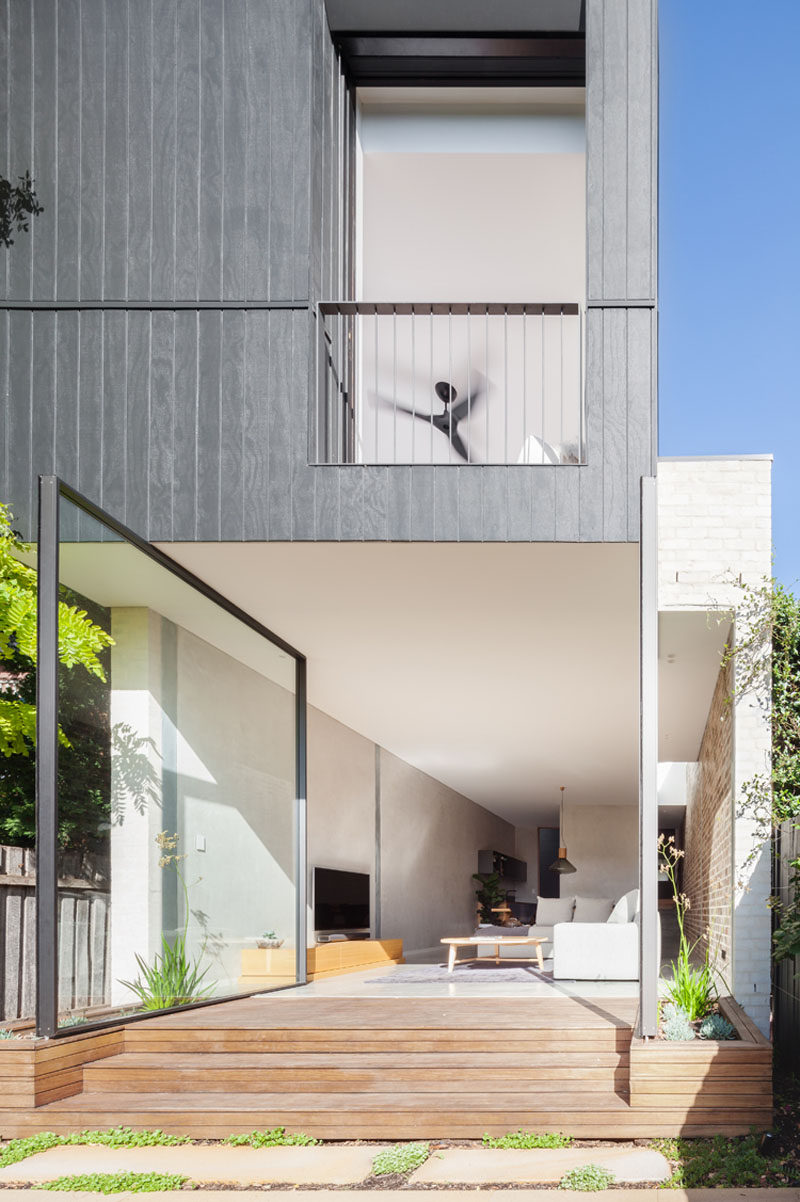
x=170 y=144
x=200 y=153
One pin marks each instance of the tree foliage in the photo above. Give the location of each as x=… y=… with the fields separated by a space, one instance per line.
x=768 y=651
x=18 y=203
x=84 y=735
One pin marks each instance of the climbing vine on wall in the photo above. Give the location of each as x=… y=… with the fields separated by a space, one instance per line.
x=768 y=650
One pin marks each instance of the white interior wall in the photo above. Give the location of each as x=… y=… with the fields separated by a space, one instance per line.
x=526 y=844
x=233 y=768
x=480 y=201
x=136 y=732
x=430 y=835
x=603 y=844
x=236 y=791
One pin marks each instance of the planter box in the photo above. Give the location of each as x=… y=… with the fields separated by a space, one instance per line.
x=703 y=1087
x=36 y=1071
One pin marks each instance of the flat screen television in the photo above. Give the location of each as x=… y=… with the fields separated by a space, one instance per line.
x=341 y=902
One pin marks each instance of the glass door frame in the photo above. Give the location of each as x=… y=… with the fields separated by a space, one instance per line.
x=51 y=490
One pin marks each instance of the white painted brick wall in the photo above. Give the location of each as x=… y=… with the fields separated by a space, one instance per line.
x=715 y=531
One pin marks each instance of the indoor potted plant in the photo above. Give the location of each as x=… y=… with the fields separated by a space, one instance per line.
x=269 y=939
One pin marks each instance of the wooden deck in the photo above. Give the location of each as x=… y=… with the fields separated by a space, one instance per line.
x=381 y=1069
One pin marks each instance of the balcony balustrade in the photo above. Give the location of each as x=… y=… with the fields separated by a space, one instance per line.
x=460 y=383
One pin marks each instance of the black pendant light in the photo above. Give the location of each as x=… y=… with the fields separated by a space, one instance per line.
x=562 y=864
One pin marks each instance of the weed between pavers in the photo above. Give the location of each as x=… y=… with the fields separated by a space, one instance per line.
x=528 y=1139
x=587 y=1177
x=118 y=1137
x=401 y=1159
x=274 y=1137
x=116 y=1183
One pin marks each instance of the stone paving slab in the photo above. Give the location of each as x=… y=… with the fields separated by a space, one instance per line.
x=326 y=1165
x=504 y=1166
x=455 y=1195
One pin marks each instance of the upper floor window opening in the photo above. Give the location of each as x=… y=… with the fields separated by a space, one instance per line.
x=465 y=345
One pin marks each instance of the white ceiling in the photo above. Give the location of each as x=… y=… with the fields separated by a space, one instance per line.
x=502 y=670
x=690 y=647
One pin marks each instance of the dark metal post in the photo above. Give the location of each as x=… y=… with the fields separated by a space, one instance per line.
x=649 y=966
x=300 y=851
x=47 y=761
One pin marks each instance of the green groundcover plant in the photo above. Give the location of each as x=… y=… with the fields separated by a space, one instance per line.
x=528 y=1139
x=588 y=1177
x=271 y=1138
x=402 y=1158
x=116 y=1183
x=118 y=1137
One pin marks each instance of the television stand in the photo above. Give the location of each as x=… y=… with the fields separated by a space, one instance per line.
x=269 y=967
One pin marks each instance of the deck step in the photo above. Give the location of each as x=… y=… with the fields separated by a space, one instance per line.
x=352 y=1073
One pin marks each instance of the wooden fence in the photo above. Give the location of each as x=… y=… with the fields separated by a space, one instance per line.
x=786 y=975
x=83 y=932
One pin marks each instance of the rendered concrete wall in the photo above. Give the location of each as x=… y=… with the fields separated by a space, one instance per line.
x=421 y=866
x=136 y=732
x=526 y=847
x=603 y=844
x=429 y=839
x=236 y=790
x=202 y=746
x=714 y=535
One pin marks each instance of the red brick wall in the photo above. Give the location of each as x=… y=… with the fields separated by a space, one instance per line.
x=708 y=864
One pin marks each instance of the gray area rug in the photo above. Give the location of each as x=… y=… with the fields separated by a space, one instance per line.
x=469 y=974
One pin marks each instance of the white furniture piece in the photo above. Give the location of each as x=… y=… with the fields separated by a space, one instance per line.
x=600 y=951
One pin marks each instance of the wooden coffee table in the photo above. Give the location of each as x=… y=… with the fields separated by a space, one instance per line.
x=495 y=941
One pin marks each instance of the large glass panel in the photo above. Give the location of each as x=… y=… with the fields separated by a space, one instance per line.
x=177 y=806
x=17 y=775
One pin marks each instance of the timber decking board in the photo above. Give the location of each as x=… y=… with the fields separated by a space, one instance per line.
x=293 y=1013
x=392 y=1068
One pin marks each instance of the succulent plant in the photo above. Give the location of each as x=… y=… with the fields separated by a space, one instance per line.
x=716 y=1027
x=675 y=1024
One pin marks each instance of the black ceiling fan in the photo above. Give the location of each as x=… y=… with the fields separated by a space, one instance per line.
x=446 y=422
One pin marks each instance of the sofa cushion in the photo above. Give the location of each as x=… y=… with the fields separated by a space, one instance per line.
x=626 y=908
x=592 y=909
x=550 y=910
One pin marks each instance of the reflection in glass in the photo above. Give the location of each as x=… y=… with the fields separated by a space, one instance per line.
x=181 y=814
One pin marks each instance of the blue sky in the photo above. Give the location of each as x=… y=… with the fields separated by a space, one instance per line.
x=729 y=261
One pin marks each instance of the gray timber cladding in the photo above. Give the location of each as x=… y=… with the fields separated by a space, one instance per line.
x=158 y=326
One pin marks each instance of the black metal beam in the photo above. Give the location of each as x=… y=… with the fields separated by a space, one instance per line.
x=47 y=760
x=469 y=60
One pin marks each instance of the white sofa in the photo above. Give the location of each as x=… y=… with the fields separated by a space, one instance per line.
x=600 y=951
x=602 y=945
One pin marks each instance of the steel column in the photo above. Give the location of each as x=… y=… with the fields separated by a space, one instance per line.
x=47 y=760
x=300 y=847
x=648 y=760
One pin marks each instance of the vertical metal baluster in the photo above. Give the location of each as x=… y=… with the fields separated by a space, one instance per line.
x=525 y=456
x=581 y=388
x=413 y=385
x=469 y=383
x=486 y=374
x=394 y=382
x=505 y=383
x=377 y=398
x=430 y=402
x=542 y=435
x=450 y=376
x=561 y=383
x=317 y=386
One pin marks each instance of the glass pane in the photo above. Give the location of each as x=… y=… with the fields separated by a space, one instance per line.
x=17 y=775
x=177 y=790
